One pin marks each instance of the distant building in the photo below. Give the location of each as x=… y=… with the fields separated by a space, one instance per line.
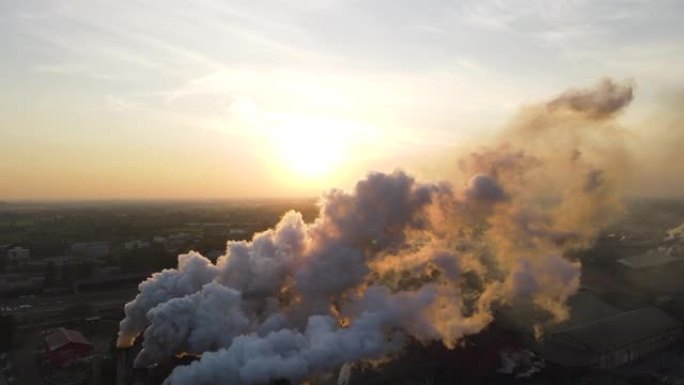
x=20 y=283
x=657 y=271
x=136 y=245
x=61 y=261
x=18 y=255
x=181 y=242
x=107 y=271
x=612 y=341
x=64 y=346
x=91 y=249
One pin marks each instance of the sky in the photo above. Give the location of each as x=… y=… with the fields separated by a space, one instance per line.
x=232 y=99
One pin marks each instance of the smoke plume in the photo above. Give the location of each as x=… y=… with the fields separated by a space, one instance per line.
x=675 y=233
x=602 y=102
x=397 y=259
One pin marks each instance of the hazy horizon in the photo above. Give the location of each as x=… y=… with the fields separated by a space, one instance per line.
x=158 y=100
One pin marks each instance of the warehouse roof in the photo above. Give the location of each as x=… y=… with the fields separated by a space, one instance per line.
x=62 y=337
x=585 y=307
x=660 y=256
x=619 y=330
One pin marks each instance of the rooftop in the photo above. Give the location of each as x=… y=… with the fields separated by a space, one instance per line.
x=619 y=330
x=62 y=337
x=585 y=307
x=657 y=257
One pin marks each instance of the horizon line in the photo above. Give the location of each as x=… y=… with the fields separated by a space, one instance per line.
x=150 y=200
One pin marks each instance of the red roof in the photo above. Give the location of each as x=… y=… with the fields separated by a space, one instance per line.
x=62 y=337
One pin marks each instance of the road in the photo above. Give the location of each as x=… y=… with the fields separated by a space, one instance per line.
x=46 y=308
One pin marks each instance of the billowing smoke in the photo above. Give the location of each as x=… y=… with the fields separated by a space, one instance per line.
x=396 y=259
x=602 y=102
x=675 y=233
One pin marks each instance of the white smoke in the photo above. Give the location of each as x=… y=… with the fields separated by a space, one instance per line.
x=193 y=272
x=322 y=345
x=393 y=260
x=206 y=320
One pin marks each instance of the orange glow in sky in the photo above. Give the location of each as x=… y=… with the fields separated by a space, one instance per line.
x=155 y=99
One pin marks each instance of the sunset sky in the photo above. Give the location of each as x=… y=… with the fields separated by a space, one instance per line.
x=232 y=99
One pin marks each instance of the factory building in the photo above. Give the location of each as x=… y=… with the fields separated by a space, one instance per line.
x=64 y=346
x=612 y=341
x=18 y=255
x=656 y=271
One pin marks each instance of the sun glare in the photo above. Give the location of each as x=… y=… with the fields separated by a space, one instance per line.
x=314 y=148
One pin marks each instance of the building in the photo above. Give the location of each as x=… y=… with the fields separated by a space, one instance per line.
x=659 y=257
x=91 y=249
x=181 y=242
x=63 y=346
x=136 y=245
x=18 y=284
x=583 y=307
x=60 y=260
x=656 y=271
x=612 y=341
x=18 y=255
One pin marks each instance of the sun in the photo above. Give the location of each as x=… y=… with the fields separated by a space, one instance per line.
x=312 y=158
x=313 y=148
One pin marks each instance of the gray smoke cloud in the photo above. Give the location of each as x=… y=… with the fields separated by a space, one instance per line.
x=396 y=259
x=483 y=187
x=601 y=102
